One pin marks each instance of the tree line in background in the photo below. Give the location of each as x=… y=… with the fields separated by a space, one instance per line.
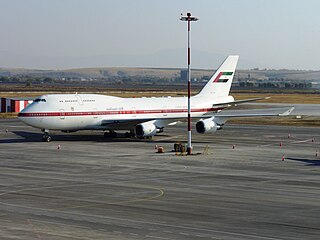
x=122 y=80
x=278 y=84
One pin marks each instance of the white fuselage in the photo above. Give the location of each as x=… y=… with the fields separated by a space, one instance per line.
x=71 y=112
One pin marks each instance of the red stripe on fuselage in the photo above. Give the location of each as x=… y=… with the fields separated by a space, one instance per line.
x=94 y=113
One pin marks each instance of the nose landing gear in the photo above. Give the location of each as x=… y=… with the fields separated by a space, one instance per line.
x=46 y=137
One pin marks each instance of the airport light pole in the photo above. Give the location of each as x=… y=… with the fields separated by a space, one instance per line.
x=189 y=19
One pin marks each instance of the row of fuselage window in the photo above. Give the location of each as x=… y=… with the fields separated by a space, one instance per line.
x=43 y=100
x=77 y=100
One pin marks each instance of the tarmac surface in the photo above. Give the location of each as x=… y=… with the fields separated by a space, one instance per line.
x=97 y=188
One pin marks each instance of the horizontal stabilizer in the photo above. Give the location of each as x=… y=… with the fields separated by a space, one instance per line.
x=233 y=103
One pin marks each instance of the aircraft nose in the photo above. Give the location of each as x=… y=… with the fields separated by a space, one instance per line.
x=22 y=115
x=25 y=115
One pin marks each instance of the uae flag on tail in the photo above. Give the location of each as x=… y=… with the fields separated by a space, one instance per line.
x=223 y=77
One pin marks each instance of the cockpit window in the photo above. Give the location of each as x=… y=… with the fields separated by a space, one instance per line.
x=39 y=100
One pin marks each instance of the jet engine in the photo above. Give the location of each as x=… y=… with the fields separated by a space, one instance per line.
x=207 y=126
x=147 y=129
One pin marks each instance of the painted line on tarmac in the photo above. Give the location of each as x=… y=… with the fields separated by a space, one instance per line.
x=144 y=199
x=286 y=143
x=168 y=138
x=301 y=141
x=57 y=223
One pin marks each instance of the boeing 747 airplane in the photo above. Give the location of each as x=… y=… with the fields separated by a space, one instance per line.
x=142 y=117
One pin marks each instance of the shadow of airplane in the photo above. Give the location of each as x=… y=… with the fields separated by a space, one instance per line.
x=26 y=137
x=309 y=162
x=37 y=137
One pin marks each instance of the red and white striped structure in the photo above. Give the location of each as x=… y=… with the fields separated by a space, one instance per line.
x=189 y=18
x=14 y=105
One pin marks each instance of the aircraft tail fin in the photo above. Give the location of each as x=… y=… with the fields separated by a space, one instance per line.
x=220 y=83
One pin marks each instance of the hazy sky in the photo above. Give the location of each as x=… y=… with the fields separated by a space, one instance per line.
x=268 y=33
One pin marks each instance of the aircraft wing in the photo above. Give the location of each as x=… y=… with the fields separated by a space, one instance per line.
x=250 y=113
x=126 y=124
x=222 y=118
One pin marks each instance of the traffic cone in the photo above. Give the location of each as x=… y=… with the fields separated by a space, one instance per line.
x=233 y=146
x=289 y=135
x=283 y=157
x=7 y=130
x=317 y=153
x=280 y=144
x=59 y=147
x=312 y=140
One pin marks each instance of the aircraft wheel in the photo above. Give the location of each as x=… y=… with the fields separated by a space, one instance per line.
x=127 y=135
x=114 y=134
x=46 y=138
x=111 y=134
x=132 y=134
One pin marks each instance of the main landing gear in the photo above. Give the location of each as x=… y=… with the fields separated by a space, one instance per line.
x=110 y=134
x=129 y=134
x=46 y=137
x=113 y=134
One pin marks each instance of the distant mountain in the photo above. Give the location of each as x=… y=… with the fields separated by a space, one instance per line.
x=169 y=58
x=168 y=73
x=163 y=64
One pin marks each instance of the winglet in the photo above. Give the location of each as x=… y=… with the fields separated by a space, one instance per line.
x=286 y=113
